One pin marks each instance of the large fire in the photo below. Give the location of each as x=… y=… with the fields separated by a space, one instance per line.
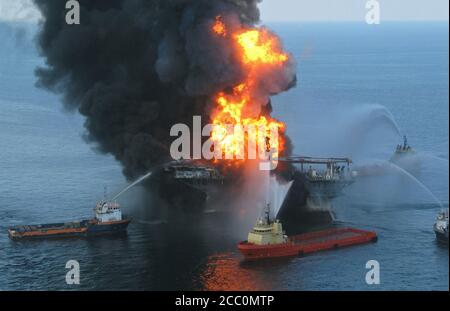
x=259 y=52
x=259 y=47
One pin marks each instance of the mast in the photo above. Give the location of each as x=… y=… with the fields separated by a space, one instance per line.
x=267 y=212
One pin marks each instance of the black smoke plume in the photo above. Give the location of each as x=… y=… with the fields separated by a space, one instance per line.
x=134 y=68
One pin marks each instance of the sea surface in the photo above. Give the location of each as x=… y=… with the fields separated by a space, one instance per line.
x=360 y=88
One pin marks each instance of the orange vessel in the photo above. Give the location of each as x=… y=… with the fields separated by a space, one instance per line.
x=108 y=220
x=267 y=240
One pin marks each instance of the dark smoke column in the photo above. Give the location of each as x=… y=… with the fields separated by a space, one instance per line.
x=134 y=68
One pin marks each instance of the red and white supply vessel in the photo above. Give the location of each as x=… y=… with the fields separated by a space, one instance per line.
x=267 y=239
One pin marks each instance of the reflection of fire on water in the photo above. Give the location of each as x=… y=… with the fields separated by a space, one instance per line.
x=225 y=273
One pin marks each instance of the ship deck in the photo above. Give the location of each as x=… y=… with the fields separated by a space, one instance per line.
x=327 y=236
x=51 y=226
x=309 y=243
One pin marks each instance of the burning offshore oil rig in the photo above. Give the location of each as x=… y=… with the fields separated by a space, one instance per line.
x=190 y=185
x=179 y=59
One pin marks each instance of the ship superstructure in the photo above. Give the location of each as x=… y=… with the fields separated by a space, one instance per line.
x=267 y=232
x=107 y=211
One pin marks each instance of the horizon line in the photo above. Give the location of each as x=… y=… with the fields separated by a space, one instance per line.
x=262 y=20
x=354 y=21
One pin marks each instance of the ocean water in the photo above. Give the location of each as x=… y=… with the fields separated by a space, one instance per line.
x=360 y=88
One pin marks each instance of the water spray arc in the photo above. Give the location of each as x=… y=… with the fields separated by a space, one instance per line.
x=416 y=181
x=132 y=185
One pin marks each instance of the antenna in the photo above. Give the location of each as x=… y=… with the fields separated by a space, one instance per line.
x=105 y=193
x=267 y=213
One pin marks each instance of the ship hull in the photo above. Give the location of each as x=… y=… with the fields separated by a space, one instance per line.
x=108 y=228
x=85 y=228
x=49 y=235
x=308 y=243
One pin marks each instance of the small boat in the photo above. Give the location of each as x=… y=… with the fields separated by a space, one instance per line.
x=108 y=220
x=405 y=154
x=268 y=240
x=405 y=148
x=404 y=157
x=441 y=227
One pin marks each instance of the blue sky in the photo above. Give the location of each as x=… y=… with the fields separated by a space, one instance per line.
x=293 y=10
x=352 y=10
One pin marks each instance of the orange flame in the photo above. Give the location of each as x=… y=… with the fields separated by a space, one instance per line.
x=256 y=48
x=260 y=47
x=219 y=27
